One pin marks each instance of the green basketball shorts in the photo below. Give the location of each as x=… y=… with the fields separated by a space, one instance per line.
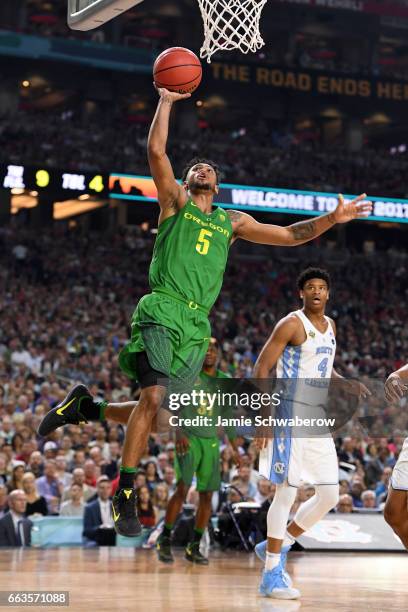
x=202 y=459
x=174 y=335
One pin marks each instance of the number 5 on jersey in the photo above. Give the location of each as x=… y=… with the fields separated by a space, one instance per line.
x=203 y=244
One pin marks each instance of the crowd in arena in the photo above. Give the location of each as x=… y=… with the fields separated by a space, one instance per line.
x=56 y=332
x=117 y=143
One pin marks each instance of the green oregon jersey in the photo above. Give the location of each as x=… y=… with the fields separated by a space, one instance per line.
x=208 y=384
x=190 y=254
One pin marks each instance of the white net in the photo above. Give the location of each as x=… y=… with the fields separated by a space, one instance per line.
x=231 y=24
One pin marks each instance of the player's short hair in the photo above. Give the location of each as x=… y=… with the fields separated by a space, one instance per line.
x=313 y=273
x=201 y=160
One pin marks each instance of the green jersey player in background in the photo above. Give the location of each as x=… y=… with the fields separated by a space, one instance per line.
x=170 y=327
x=198 y=453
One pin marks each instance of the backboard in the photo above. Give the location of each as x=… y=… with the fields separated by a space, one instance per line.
x=89 y=14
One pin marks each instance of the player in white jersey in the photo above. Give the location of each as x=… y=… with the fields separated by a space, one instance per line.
x=302 y=346
x=396 y=507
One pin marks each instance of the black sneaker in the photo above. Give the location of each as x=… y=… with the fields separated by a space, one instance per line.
x=163 y=547
x=125 y=514
x=68 y=411
x=193 y=554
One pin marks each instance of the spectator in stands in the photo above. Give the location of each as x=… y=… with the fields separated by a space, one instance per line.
x=16 y=480
x=50 y=450
x=169 y=479
x=36 y=504
x=368 y=499
x=244 y=474
x=140 y=479
x=345 y=505
x=91 y=473
x=375 y=468
x=227 y=463
x=264 y=488
x=162 y=463
x=78 y=460
x=356 y=489
x=160 y=499
x=101 y=443
x=61 y=471
x=152 y=475
x=36 y=464
x=344 y=487
x=349 y=451
x=66 y=447
x=145 y=509
x=171 y=452
x=381 y=488
x=98 y=521
x=112 y=467
x=78 y=477
x=74 y=506
x=50 y=487
x=15 y=528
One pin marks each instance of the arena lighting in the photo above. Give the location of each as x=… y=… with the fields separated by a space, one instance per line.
x=84 y=196
x=69 y=208
x=26 y=83
x=17 y=191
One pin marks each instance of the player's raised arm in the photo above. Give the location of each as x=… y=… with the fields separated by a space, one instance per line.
x=282 y=335
x=248 y=228
x=170 y=194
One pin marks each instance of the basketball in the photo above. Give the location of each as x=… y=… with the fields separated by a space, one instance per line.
x=177 y=69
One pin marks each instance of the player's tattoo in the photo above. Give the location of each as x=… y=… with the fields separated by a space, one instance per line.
x=234 y=215
x=303 y=231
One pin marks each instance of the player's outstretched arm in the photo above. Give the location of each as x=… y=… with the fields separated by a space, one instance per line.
x=397 y=384
x=171 y=195
x=248 y=228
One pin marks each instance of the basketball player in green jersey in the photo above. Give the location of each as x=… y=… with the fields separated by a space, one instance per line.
x=170 y=327
x=197 y=452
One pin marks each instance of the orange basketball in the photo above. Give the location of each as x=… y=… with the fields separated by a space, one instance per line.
x=177 y=69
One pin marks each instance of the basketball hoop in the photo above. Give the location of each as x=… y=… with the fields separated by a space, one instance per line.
x=231 y=24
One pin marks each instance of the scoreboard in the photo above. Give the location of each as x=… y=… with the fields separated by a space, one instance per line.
x=57 y=183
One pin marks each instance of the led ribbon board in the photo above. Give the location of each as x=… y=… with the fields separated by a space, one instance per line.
x=264 y=199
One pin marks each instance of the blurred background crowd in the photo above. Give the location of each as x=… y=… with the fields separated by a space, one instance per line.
x=82 y=102
x=66 y=300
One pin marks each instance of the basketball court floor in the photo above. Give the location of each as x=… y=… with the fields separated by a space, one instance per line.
x=125 y=579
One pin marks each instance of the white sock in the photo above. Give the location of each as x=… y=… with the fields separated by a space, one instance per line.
x=288 y=540
x=272 y=560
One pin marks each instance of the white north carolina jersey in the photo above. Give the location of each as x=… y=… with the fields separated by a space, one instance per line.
x=291 y=455
x=314 y=358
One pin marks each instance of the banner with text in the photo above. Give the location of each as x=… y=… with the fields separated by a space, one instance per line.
x=310 y=81
x=263 y=199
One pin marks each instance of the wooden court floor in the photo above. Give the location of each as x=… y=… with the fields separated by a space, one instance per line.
x=127 y=580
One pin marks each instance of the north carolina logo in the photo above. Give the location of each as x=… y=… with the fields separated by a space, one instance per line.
x=279 y=467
